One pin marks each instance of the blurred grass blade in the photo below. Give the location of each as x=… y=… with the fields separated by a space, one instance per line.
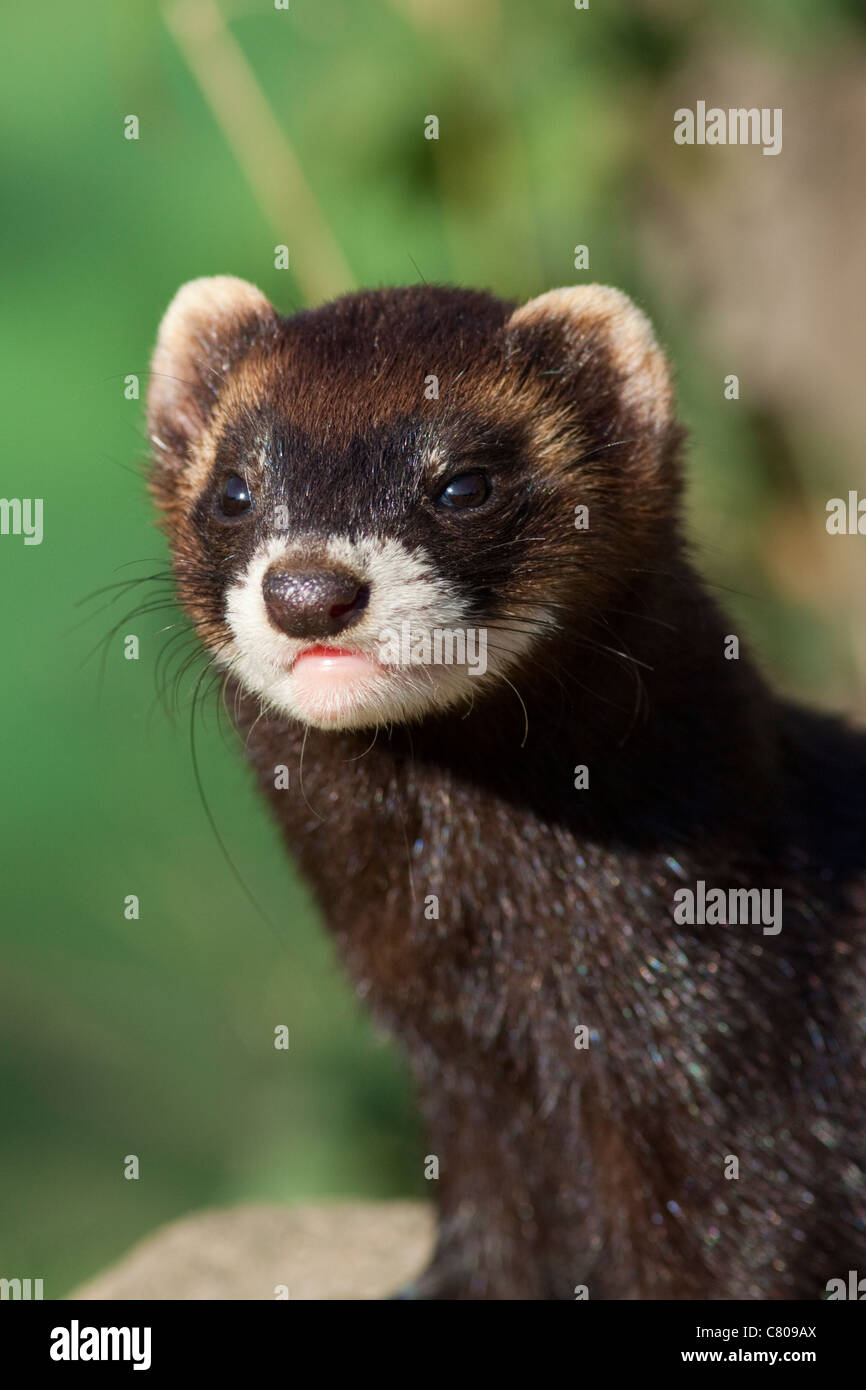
x=261 y=148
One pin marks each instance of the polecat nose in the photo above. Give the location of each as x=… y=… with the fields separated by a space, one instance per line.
x=316 y=603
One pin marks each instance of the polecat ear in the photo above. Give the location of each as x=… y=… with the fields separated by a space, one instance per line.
x=589 y=319
x=208 y=326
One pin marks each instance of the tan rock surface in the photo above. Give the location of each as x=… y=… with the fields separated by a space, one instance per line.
x=342 y=1250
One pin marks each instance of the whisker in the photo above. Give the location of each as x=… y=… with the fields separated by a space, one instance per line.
x=236 y=874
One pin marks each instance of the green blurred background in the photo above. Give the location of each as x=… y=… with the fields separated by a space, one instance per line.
x=305 y=127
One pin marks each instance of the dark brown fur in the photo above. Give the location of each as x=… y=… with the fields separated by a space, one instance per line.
x=558 y=1166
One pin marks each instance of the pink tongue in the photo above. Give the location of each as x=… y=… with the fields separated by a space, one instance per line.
x=328 y=667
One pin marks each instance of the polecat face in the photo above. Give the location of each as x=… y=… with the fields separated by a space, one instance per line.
x=374 y=507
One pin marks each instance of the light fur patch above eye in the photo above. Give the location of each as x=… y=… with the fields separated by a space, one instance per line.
x=436 y=463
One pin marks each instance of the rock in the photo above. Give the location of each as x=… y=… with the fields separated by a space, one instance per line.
x=342 y=1250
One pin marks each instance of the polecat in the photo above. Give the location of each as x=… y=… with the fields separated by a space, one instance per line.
x=622 y=1101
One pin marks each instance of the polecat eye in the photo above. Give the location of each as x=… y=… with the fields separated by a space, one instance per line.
x=466 y=490
x=234 y=499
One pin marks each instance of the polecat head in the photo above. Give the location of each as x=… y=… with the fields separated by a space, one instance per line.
x=380 y=508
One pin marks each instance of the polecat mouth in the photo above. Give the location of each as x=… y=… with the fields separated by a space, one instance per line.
x=334 y=664
x=330 y=655
x=329 y=682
